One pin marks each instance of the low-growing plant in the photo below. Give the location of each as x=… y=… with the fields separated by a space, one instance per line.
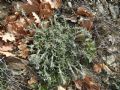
x=56 y=55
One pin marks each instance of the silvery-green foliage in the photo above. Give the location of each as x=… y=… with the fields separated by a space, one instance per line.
x=88 y=46
x=56 y=55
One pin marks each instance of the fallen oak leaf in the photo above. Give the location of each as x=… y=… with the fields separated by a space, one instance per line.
x=86 y=84
x=45 y=10
x=6 y=47
x=60 y=88
x=35 y=2
x=78 y=84
x=55 y=4
x=12 y=18
x=1 y=34
x=29 y=20
x=106 y=68
x=32 y=80
x=97 y=68
x=8 y=37
x=27 y=8
x=17 y=27
x=89 y=83
x=30 y=2
x=100 y=67
x=7 y=54
x=22 y=46
x=37 y=19
x=24 y=51
x=86 y=23
x=82 y=11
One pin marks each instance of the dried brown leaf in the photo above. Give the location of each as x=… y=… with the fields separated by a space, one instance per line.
x=97 y=68
x=23 y=50
x=27 y=8
x=82 y=11
x=17 y=27
x=11 y=18
x=7 y=53
x=24 y=53
x=6 y=47
x=61 y=88
x=86 y=23
x=86 y=84
x=32 y=80
x=8 y=37
x=106 y=68
x=54 y=3
x=78 y=84
x=45 y=10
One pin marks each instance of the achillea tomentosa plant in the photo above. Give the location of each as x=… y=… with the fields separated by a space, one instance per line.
x=56 y=55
